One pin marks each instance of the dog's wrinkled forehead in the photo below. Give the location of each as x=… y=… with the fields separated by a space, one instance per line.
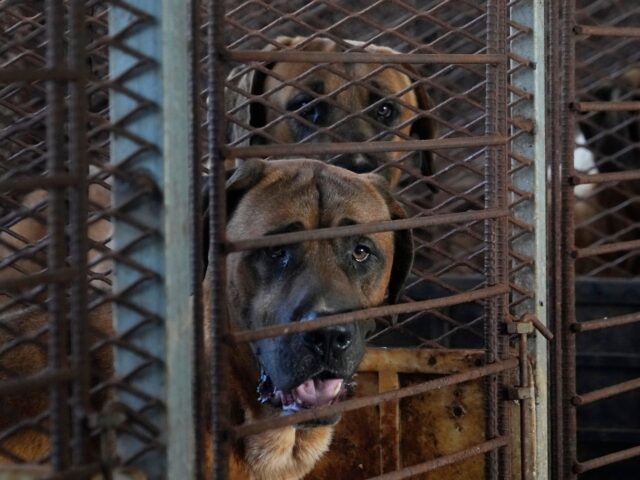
x=310 y=193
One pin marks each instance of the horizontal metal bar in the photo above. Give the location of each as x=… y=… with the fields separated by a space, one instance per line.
x=263 y=425
x=62 y=275
x=34 y=74
x=298 y=56
x=33 y=382
x=600 y=31
x=606 y=248
x=360 y=315
x=582 y=467
x=583 y=178
x=79 y=472
x=301 y=149
x=602 y=393
x=630 y=106
x=36 y=182
x=363 y=229
x=607 y=322
x=436 y=463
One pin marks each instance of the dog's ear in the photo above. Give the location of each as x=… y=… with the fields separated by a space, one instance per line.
x=238 y=182
x=402 y=242
x=248 y=113
x=423 y=128
x=248 y=174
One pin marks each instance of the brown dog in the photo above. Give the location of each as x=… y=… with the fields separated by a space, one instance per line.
x=357 y=102
x=297 y=283
x=273 y=286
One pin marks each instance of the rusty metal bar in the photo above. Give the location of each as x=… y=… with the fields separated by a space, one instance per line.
x=34 y=382
x=624 y=176
x=216 y=271
x=81 y=472
x=607 y=322
x=630 y=106
x=450 y=459
x=201 y=369
x=526 y=439
x=301 y=149
x=56 y=222
x=362 y=229
x=294 y=56
x=553 y=133
x=568 y=294
x=359 y=315
x=78 y=241
x=601 y=31
x=582 y=467
x=606 y=248
x=496 y=268
x=263 y=425
x=62 y=275
x=58 y=74
x=35 y=182
x=541 y=327
x=602 y=393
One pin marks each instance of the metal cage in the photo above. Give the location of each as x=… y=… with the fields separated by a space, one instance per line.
x=121 y=120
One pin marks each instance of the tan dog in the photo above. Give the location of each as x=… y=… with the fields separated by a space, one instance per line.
x=301 y=282
x=305 y=103
x=273 y=286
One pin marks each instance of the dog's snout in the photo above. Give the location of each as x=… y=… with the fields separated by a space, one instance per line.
x=331 y=341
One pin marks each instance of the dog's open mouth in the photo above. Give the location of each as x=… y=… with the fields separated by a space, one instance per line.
x=317 y=391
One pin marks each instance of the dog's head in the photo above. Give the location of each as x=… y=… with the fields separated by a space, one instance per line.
x=301 y=282
x=352 y=102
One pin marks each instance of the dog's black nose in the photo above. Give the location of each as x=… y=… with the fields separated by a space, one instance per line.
x=329 y=341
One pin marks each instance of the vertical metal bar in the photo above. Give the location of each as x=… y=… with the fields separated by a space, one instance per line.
x=217 y=225
x=567 y=145
x=526 y=468
x=136 y=152
x=533 y=179
x=554 y=109
x=197 y=255
x=177 y=126
x=56 y=253
x=496 y=259
x=79 y=167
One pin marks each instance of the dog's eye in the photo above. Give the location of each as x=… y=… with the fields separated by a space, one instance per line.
x=361 y=253
x=385 y=111
x=276 y=253
x=311 y=113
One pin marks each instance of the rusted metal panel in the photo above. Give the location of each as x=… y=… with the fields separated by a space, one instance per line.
x=432 y=425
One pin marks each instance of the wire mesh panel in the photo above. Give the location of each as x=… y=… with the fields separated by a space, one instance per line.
x=85 y=207
x=316 y=79
x=596 y=170
x=101 y=236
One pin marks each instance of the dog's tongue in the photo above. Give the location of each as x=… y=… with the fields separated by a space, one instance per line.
x=316 y=393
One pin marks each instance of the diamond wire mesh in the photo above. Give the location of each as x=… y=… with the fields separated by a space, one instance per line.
x=599 y=376
x=608 y=142
x=25 y=236
x=450 y=260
